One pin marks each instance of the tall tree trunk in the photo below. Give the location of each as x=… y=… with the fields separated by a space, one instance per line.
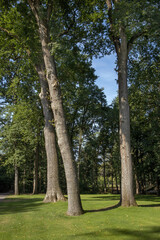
x=16 y=180
x=143 y=178
x=79 y=152
x=24 y=181
x=112 y=181
x=137 y=190
x=116 y=184
x=74 y=202
x=39 y=176
x=127 y=196
x=104 y=174
x=122 y=47
x=35 y=171
x=158 y=186
x=136 y=177
x=108 y=182
x=40 y=180
x=54 y=192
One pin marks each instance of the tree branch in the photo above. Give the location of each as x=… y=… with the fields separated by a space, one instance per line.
x=68 y=29
x=115 y=1
x=65 y=31
x=9 y=33
x=133 y=38
x=49 y=9
x=34 y=5
x=109 y=4
x=16 y=37
x=115 y=39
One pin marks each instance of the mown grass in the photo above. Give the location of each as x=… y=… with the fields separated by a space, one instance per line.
x=26 y=217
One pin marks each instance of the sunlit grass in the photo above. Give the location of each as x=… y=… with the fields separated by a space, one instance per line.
x=27 y=217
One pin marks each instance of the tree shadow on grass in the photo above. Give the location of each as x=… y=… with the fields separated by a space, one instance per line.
x=152 y=233
x=155 y=199
x=151 y=198
x=148 y=198
x=102 y=198
x=150 y=205
x=13 y=206
x=104 y=209
x=118 y=205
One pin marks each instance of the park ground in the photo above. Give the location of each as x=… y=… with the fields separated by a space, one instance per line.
x=26 y=217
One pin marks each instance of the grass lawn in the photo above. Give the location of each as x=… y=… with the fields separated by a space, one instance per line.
x=26 y=217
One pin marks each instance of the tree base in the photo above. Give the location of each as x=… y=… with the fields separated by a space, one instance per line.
x=53 y=197
x=129 y=203
x=75 y=213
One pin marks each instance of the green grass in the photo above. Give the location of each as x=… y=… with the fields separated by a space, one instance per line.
x=26 y=217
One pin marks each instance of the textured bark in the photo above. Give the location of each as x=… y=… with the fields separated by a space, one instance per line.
x=24 y=181
x=35 y=172
x=127 y=196
x=54 y=192
x=74 y=202
x=79 y=152
x=116 y=185
x=16 y=180
x=137 y=185
x=104 y=174
x=40 y=180
x=158 y=186
x=112 y=181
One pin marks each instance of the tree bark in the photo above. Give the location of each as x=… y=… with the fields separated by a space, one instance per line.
x=16 y=180
x=24 y=181
x=104 y=174
x=54 y=192
x=116 y=184
x=137 y=189
x=40 y=179
x=35 y=171
x=79 y=152
x=74 y=202
x=112 y=180
x=127 y=196
x=158 y=186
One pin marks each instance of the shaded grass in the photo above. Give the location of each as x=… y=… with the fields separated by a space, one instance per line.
x=26 y=217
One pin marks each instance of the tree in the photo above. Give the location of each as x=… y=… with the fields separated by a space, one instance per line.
x=74 y=202
x=54 y=192
x=16 y=91
x=118 y=27
x=122 y=17
x=23 y=46
x=119 y=37
x=18 y=142
x=144 y=101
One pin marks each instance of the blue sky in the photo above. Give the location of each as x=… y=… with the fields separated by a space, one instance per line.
x=106 y=76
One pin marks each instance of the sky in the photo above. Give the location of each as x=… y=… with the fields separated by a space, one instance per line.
x=106 y=76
